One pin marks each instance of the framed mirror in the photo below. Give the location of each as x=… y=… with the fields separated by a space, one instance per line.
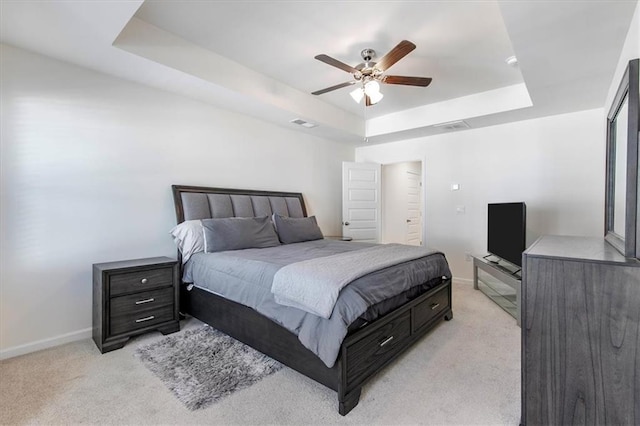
x=621 y=198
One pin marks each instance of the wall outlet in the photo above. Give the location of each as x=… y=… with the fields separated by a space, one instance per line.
x=468 y=257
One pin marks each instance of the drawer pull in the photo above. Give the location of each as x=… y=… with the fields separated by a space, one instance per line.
x=387 y=340
x=144 y=281
x=435 y=305
x=149 y=318
x=140 y=302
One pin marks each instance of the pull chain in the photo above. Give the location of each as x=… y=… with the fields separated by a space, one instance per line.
x=364 y=103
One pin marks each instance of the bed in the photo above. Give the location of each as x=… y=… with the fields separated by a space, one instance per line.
x=371 y=338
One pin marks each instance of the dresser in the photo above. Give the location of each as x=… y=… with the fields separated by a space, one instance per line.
x=580 y=334
x=132 y=297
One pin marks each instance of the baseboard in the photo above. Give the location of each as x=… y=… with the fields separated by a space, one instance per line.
x=45 y=343
x=466 y=281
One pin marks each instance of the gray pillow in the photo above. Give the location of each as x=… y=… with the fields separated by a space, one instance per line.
x=235 y=233
x=295 y=230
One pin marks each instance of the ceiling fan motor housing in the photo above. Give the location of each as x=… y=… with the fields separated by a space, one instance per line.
x=367 y=68
x=368 y=54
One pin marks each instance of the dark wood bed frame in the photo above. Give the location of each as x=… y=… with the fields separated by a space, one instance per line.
x=364 y=352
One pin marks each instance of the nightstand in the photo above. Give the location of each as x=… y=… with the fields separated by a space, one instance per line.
x=338 y=238
x=132 y=297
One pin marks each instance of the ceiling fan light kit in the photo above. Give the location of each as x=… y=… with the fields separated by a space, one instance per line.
x=371 y=89
x=357 y=95
x=370 y=74
x=375 y=97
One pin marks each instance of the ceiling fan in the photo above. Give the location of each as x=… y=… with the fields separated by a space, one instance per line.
x=370 y=74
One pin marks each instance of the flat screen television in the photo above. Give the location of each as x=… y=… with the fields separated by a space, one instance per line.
x=507 y=231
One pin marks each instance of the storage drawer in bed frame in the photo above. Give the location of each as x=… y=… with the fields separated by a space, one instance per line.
x=367 y=354
x=370 y=349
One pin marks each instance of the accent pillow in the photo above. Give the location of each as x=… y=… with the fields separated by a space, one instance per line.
x=297 y=229
x=189 y=238
x=235 y=233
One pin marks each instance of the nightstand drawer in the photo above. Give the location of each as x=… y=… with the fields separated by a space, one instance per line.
x=128 y=282
x=139 y=302
x=130 y=322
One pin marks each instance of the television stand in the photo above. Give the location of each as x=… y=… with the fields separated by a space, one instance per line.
x=501 y=282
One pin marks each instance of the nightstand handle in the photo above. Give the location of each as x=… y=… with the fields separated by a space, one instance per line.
x=140 y=302
x=144 y=281
x=435 y=305
x=145 y=319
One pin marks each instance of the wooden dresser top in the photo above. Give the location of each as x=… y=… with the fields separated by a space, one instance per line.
x=592 y=249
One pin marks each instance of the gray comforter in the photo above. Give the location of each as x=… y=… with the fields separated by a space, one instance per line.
x=246 y=276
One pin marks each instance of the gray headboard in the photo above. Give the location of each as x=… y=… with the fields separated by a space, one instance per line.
x=199 y=202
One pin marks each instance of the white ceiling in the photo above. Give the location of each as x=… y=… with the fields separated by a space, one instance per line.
x=462 y=46
x=257 y=57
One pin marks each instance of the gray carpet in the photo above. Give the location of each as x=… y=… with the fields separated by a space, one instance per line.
x=202 y=366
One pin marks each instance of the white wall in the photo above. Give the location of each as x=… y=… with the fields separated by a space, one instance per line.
x=630 y=50
x=554 y=164
x=87 y=161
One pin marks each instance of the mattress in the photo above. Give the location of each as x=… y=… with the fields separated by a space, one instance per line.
x=245 y=276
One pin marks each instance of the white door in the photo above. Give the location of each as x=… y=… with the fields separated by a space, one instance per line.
x=414 y=209
x=361 y=201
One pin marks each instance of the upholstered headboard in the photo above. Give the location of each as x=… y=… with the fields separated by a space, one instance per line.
x=199 y=202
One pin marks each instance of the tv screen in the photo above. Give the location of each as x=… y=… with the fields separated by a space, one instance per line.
x=506 y=231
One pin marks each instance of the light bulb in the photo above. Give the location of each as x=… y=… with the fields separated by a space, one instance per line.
x=357 y=94
x=372 y=87
x=376 y=97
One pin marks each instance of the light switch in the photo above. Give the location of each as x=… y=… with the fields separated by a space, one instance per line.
x=455 y=186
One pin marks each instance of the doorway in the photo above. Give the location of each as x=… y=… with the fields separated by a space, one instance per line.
x=402 y=204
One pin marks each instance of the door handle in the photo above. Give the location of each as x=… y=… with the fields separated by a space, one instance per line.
x=408 y=220
x=345 y=223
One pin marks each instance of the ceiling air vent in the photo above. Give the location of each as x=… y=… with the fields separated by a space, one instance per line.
x=303 y=123
x=452 y=125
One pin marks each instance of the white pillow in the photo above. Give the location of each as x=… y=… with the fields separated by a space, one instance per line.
x=189 y=237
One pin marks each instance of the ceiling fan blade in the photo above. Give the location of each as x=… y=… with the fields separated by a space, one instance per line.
x=407 y=81
x=400 y=51
x=336 y=63
x=367 y=100
x=336 y=87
